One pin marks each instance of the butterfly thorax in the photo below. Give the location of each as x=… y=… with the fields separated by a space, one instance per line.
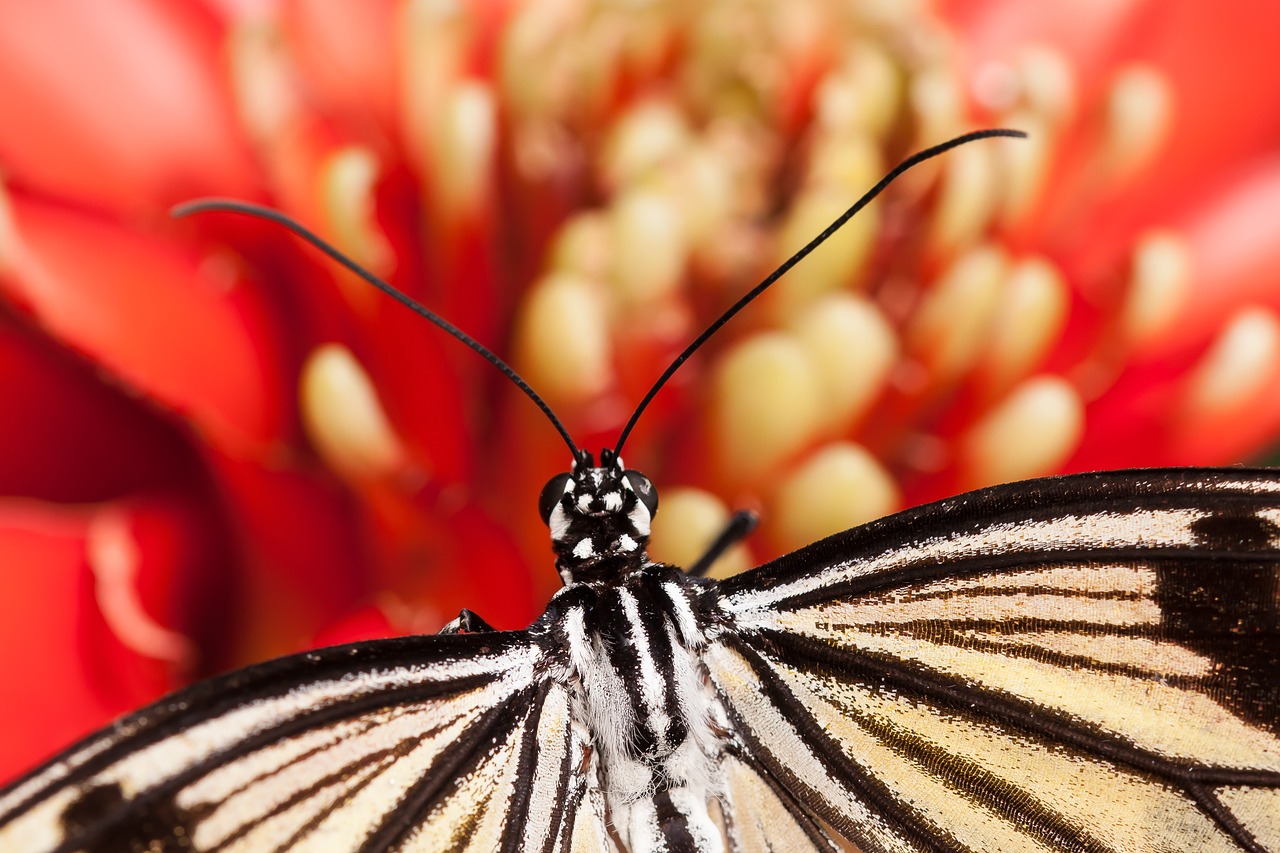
x=639 y=685
x=634 y=633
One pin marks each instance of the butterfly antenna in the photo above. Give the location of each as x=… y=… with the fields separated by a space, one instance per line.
x=210 y=205
x=786 y=266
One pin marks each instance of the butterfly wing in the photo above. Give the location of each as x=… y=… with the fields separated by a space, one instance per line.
x=1085 y=663
x=761 y=817
x=435 y=743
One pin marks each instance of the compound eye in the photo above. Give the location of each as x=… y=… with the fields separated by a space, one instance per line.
x=551 y=494
x=643 y=487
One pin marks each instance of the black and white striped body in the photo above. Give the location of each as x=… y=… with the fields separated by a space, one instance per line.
x=634 y=638
x=634 y=657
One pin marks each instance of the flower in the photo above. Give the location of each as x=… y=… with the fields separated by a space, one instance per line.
x=217 y=447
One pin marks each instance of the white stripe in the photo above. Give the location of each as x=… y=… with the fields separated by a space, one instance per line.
x=546 y=797
x=1158 y=528
x=652 y=686
x=686 y=622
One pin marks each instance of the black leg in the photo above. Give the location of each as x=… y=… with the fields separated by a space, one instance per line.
x=743 y=522
x=467 y=623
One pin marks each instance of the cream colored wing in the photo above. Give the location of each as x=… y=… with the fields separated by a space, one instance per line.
x=1088 y=663
x=425 y=743
x=760 y=817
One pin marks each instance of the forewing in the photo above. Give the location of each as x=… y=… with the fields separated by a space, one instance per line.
x=1082 y=663
x=427 y=743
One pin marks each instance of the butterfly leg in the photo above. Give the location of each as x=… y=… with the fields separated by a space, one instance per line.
x=467 y=622
x=743 y=522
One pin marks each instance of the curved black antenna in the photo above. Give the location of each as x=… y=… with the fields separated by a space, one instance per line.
x=227 y=205
x=728 y=315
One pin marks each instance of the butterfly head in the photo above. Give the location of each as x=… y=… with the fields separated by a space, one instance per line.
x=599 y=517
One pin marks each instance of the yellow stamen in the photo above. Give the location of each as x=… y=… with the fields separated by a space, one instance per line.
x=844 y=162
x=834 y=264
x=948 y=331
x=1139 y=116
x=464 y=150
x=534 y=68
x=938 y=104
x=997 y=86
x=1048 y=85
x=1029 y=434
x=562 y=338
x=1238 y=367
x=645 y=137
x=1159 y=285
x=347 y=182
x=649 y=250
x=854 y=347
x=1030 y=316
x=344 y=418
x=863 y=94
x=766 y=404
x=433 y=44
x=260 y=79
x=582 y=245
x=840 y=169
x=1023 y=164
x=704 y=185
x=689 y=521
x=967 y=198
x=837 y=487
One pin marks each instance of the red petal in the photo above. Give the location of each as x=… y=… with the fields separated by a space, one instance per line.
x=123 y=104
x=1205 y=56
x=151 y=317
x=367 y=623
x=1125 y=428
x=75 y=673
x=1234 y=252
x=306 y=559
x=1234 y=255
x=45 y=693
x=420 y=373
x=494 y=580
x=344 y=52
x=1088 y=33
x=164 y=575
x=1222 y=68
x=1226 y=106
x=45 y=450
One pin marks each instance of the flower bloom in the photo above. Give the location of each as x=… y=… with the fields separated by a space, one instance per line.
x=217 y=447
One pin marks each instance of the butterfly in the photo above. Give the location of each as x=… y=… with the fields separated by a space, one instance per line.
x=1083 y=663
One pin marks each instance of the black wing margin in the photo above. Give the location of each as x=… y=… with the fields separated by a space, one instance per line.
x=445 y=743
x=1085 y=663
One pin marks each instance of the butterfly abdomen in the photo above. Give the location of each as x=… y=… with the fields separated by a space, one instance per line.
x=634 y=655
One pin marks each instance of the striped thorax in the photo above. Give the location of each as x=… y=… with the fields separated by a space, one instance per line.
x=634 y=636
